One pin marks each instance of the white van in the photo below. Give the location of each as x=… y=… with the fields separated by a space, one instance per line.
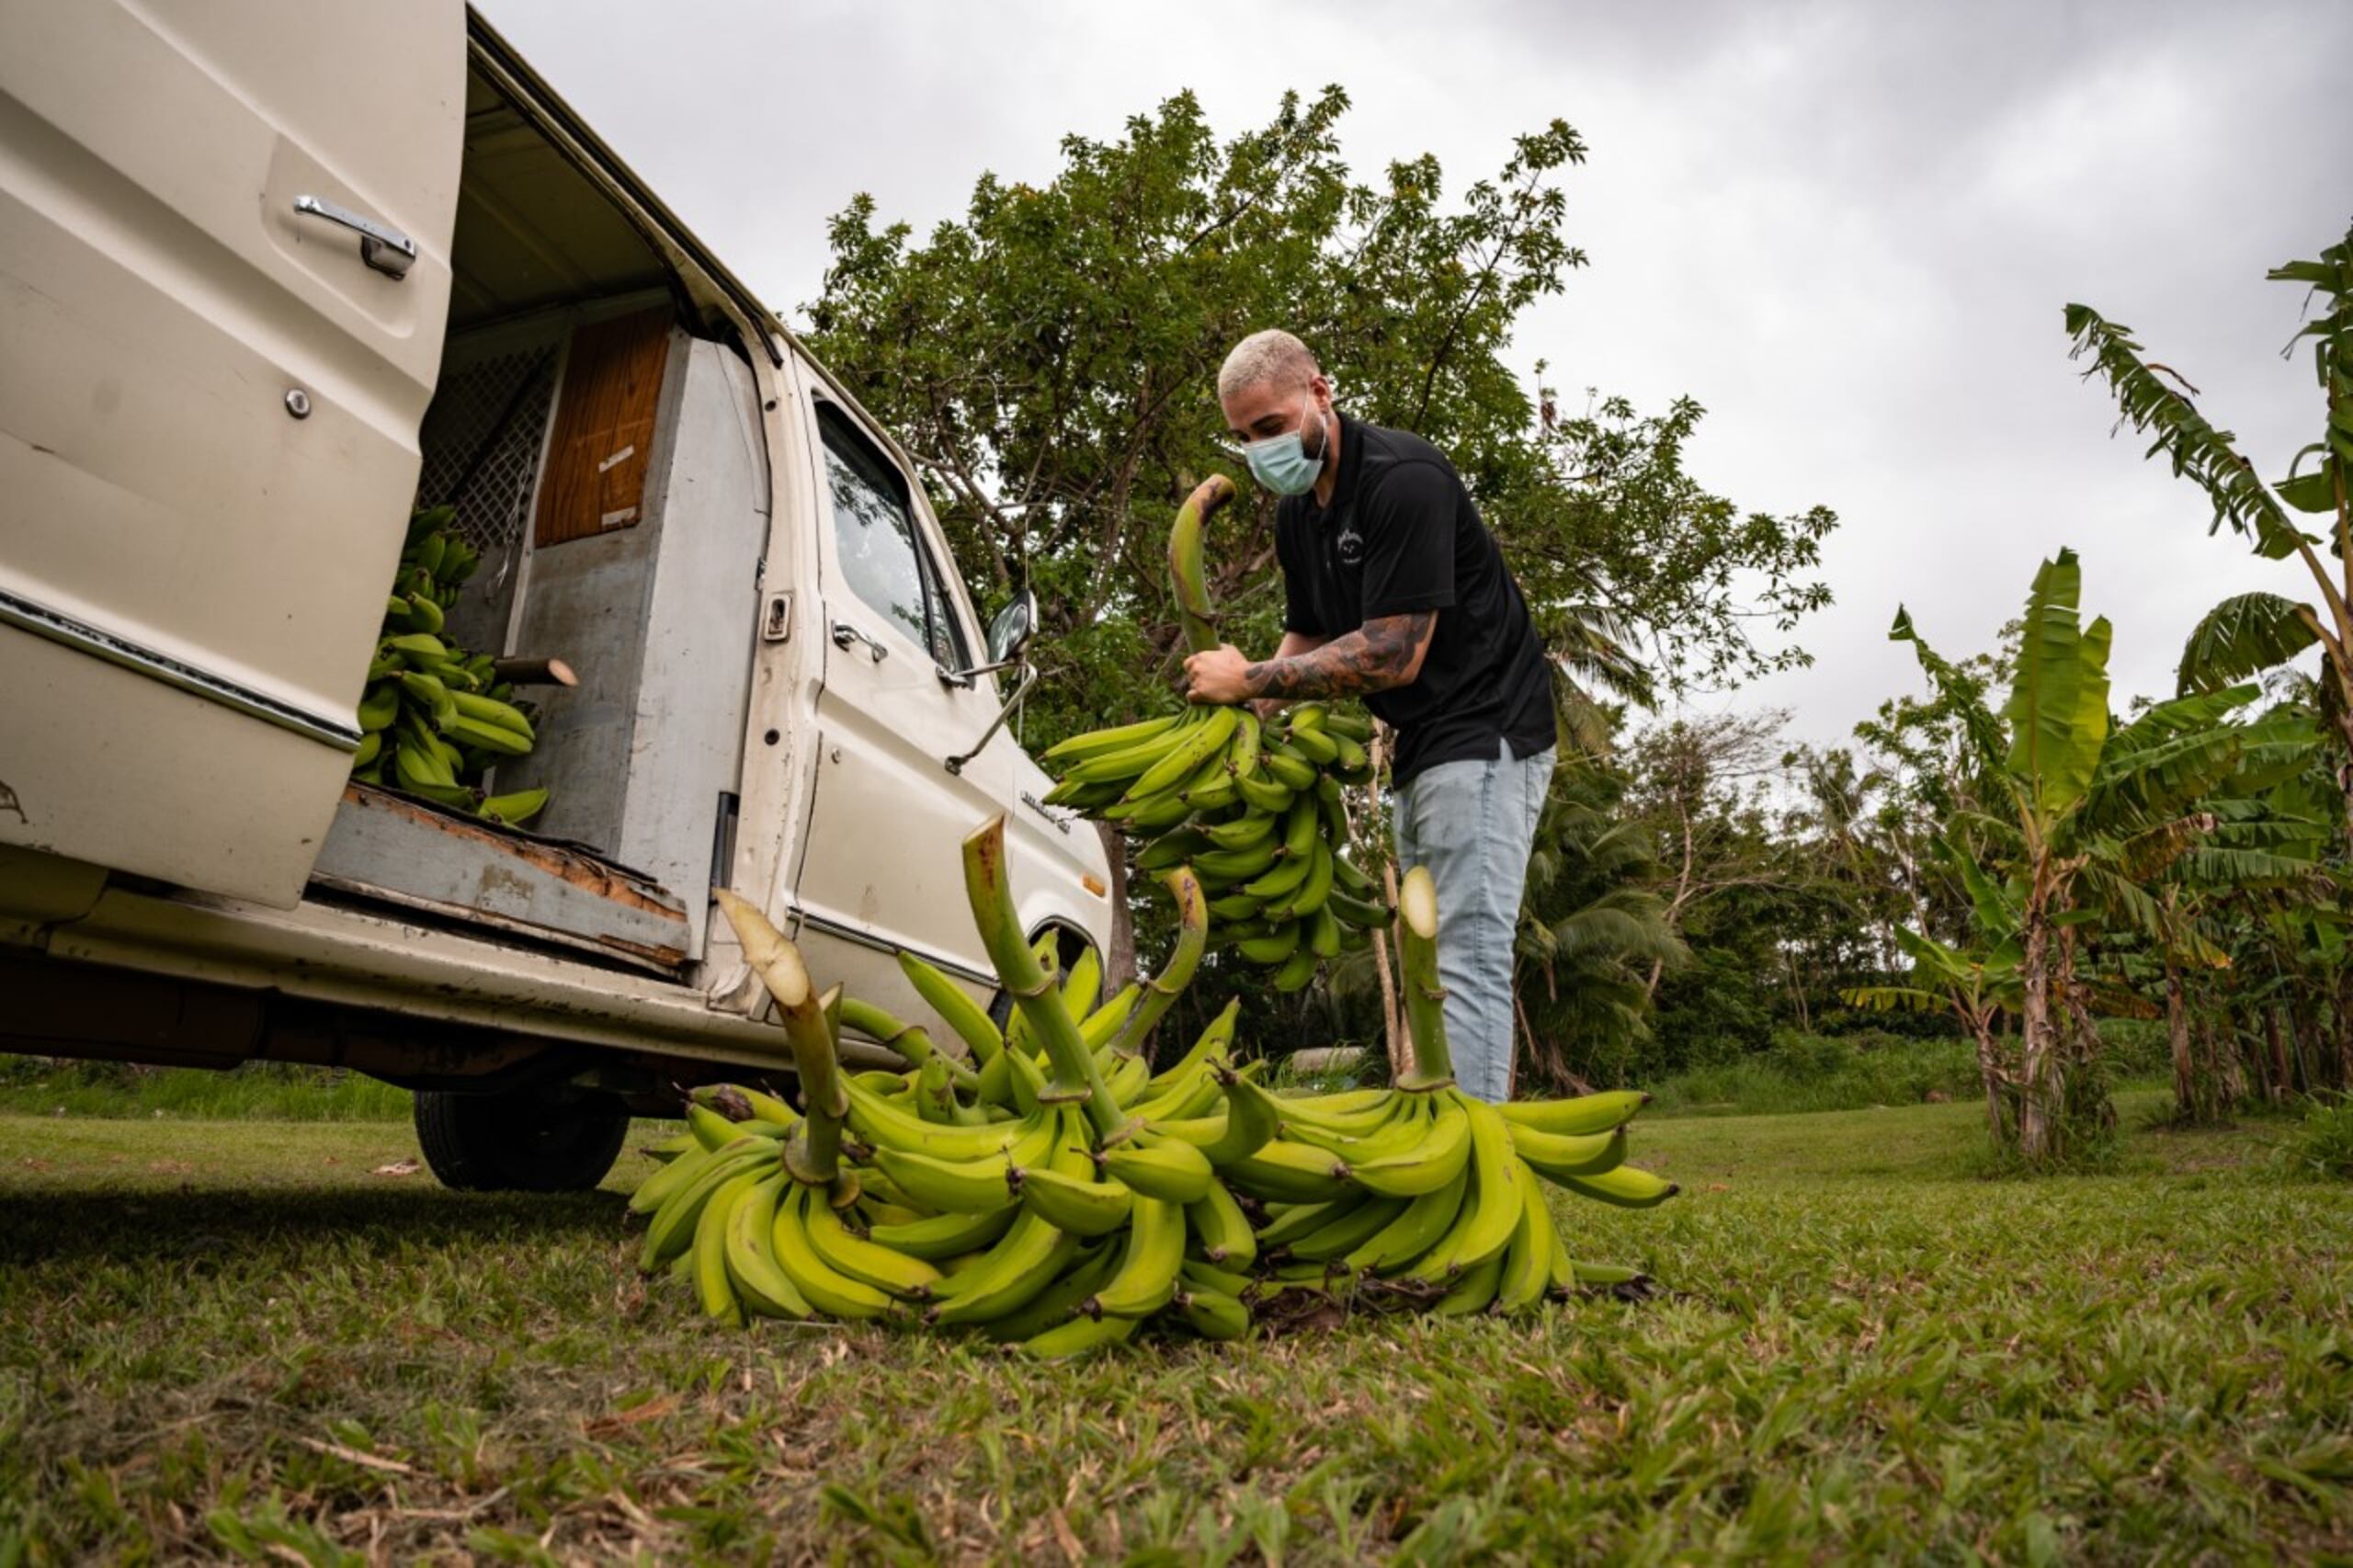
x=272 y=274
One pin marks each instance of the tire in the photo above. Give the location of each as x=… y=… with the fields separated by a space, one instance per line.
x=537 y=1139
x=1069 y=946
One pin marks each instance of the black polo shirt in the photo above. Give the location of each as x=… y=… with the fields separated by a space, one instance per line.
x=1399 y=535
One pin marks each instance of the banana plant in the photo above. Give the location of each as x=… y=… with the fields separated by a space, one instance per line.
x=2085 y=808
x=2249 y=633
x=1977 y=983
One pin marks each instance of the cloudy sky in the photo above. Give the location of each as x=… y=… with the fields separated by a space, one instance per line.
x=1847 y=228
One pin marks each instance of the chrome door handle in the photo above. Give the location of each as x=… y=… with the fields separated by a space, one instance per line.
x=381 y=246
x=845 y=634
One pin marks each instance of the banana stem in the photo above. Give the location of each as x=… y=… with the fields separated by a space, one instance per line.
x=1425 y=996
x=813 y=1154
x=1185 y=540
x=1160 y=993
x=989 y=886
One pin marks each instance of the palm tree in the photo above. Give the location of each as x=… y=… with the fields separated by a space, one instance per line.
x=1590 y=930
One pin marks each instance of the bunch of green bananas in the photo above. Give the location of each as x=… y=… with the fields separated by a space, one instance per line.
x=434 y=717
x=1052 y=1192
x=1417 y=1194
x=1256 y=809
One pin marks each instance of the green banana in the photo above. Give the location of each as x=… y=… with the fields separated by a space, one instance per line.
x=1293 y=1173
x=1074 y=1204
x=381 y=706
x=1474 y=1292
x=1094 y=743
x=970 y=1185
x=1350 y=1231
x=1166 y=1169
x=956 y=1010
x=491 y=710
x=1013 y=1273
x=1528 y=1261
x=495 y=738
x=1253 y=1119
x=517 y=808
x=760 y=1285
x=1220 y=1229
x=1212 y=1315
x=884 y=1267
x=1147 y=1273
x=672 y=1230
x=1557 y=1155
x=944 y=1236
x=1430 y=1163
x=1313 y=745
x=1273 y=948
x=1225 y=1281
x=710 y=1244
x=1059 y=1301
x=1425 y=1222
x=1571 y=1117
x=1080 y=1336
x=1309 y=896
x=1495 y=1186
x=1186 y=585
x=825 y=1288
x=1199 y=742
x=1626 y=1187
x=1296 y=970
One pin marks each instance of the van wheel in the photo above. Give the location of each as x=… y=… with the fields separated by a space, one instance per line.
x=547 y=1138
x=1068 y=946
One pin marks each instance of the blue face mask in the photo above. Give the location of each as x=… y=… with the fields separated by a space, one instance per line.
x=1281 y=463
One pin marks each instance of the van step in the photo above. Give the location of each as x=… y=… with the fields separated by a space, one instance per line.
x=405 y=851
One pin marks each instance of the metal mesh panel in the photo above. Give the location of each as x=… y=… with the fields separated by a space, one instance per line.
x=482 y=442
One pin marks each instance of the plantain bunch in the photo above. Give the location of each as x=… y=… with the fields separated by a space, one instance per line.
x=433 y=718
x=1256 y=809
x=1045 y=1188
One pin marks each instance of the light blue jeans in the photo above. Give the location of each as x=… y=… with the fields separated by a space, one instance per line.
x=1473 y=824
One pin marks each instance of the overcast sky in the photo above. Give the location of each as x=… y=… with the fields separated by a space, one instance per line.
x=1848 y=229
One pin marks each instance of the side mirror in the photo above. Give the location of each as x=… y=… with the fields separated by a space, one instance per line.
x=1011 y=628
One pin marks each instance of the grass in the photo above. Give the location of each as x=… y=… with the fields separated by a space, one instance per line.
x=230 y=1340
x=1856 y=1072
x=36 y=1085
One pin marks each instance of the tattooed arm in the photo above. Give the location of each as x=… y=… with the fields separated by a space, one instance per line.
x=1293 y=644
x=1385 y=652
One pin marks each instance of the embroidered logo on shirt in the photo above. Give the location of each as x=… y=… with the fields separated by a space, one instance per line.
x=1351 y=546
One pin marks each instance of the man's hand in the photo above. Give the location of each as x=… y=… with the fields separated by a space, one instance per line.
x=1220 y=675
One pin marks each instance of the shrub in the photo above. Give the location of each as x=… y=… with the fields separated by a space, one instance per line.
x=2321 y=1145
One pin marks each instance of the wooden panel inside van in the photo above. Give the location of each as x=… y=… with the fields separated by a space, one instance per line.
x=604 y=430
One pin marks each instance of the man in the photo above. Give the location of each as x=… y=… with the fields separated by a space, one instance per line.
x=1394 y=592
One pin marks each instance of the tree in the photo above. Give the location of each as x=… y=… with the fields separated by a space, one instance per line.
x=2250 y=634
x=1049 y=361
x=1695 y=788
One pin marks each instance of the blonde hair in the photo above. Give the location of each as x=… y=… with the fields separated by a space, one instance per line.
x=1273 y=356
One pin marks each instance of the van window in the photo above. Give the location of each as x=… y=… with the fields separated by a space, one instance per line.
x=882 y=556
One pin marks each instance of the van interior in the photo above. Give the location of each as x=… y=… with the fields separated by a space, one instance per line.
x=599 y=439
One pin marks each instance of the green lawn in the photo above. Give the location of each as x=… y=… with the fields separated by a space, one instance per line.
x=239 y=1337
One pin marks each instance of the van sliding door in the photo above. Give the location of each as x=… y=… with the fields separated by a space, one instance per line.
x=225 y=274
